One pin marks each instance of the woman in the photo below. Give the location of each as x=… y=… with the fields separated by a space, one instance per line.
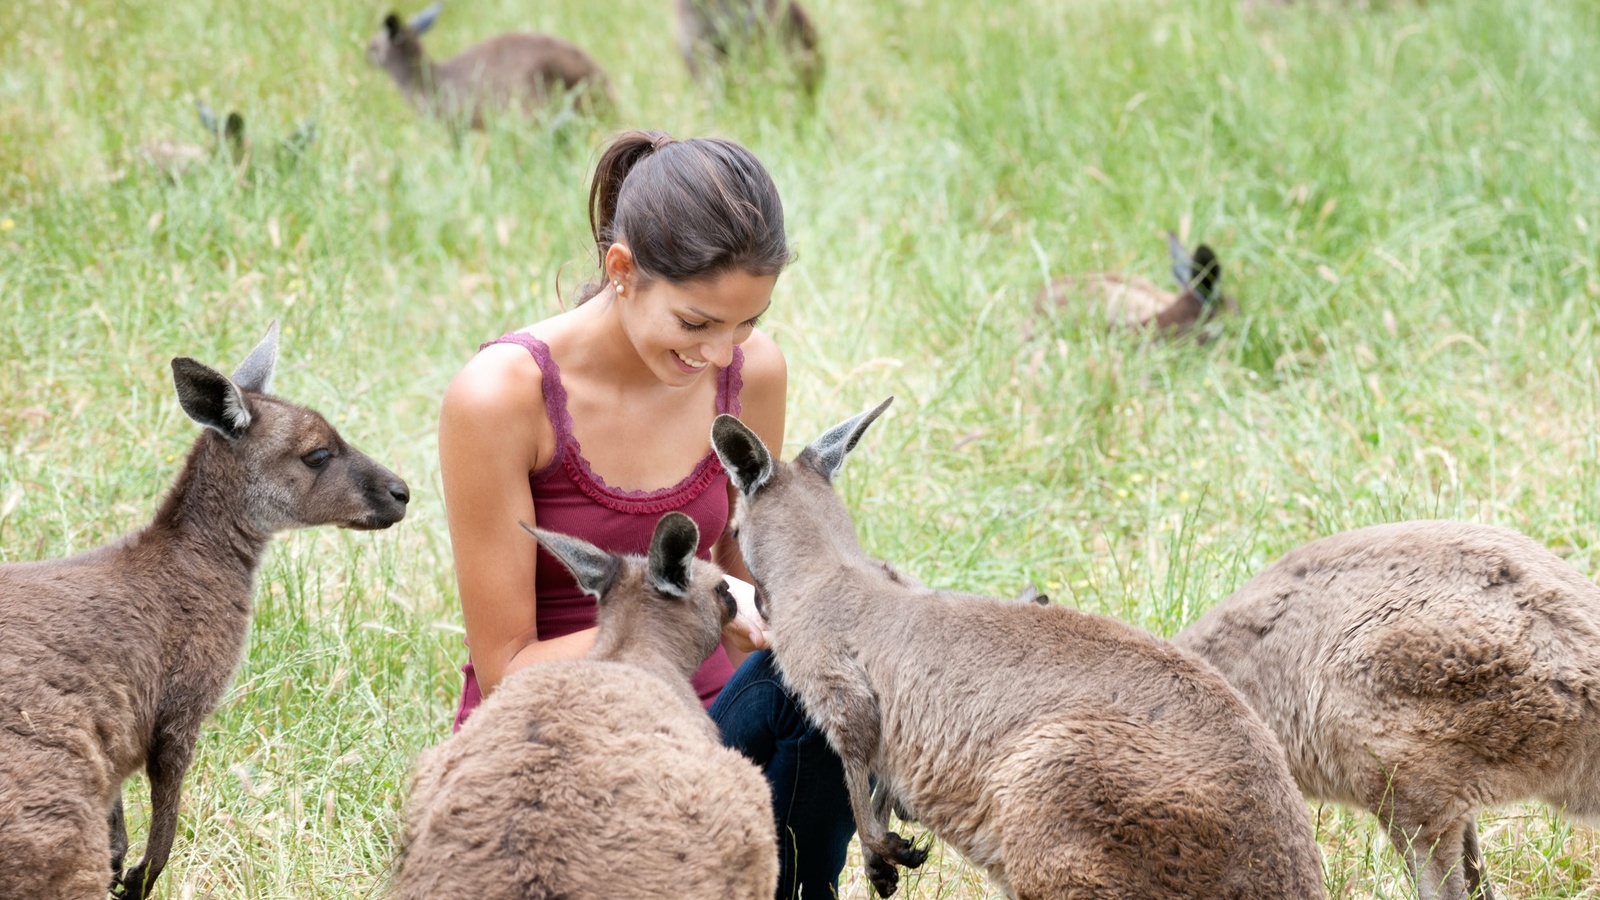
x=596 y=421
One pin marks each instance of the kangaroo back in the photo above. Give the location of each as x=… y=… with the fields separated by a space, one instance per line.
x=601 y=777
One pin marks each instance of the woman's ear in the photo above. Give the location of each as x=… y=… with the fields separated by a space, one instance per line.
x=619 y=267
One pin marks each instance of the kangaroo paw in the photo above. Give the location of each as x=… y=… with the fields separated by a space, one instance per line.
x=882 y=874
x=131 y=884
x=906 y=853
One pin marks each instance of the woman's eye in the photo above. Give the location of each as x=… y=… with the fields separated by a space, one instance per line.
x=693 y=326
x=316 y=459
x=753 y=322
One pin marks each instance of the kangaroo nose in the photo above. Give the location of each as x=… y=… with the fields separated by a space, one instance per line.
x=397 y=490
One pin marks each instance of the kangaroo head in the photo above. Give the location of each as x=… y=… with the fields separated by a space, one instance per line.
x=228 y=131
x=292 y=469
x=397 y=49
x=1201 y=273
x=667 y=604
x=790 y=503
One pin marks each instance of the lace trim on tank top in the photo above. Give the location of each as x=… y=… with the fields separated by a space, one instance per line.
x=569 y=454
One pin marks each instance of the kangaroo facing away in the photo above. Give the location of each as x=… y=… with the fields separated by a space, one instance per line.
x=1422 y=671
x=713 y=32
x=520 y=69
x=1134 y=303
x=111 y=659
x=1068 y=755
x=601 y=777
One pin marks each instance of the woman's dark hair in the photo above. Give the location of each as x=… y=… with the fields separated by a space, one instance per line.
x=688 y=210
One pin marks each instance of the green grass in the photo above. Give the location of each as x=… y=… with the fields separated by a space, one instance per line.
x=1406 y=201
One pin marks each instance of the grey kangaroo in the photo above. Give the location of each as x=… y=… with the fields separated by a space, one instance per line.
x=602 y=776
x=1068 y=755
x=1422 y=671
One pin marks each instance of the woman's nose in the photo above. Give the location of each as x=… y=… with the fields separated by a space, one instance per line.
x=719 y=352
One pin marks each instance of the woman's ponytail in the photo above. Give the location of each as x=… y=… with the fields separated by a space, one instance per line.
x=692 y=209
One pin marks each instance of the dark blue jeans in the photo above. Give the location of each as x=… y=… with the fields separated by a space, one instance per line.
x=761 y=719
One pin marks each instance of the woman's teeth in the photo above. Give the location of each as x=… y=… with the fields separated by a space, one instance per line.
x=693 y=364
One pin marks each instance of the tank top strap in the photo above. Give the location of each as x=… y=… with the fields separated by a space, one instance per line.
x=729 y=383
x=555 y=395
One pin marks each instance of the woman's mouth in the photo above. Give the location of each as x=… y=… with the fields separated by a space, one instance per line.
x=687 y=364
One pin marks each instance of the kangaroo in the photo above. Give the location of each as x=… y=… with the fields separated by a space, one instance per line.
x=1067 y=755
x=518 y=69
x=711 y=32
x=176 y=159
x=602 y=777
x=1422 y=671
x=1134 y=303
x=110 y=660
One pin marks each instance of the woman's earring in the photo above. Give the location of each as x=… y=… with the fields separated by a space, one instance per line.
x=618 y=286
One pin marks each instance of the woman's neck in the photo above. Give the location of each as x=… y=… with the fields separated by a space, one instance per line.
x=601 y=348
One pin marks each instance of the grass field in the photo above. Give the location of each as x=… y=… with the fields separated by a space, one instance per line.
x=1406 y=201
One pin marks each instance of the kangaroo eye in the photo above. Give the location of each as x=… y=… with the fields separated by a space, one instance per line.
x=316 y=459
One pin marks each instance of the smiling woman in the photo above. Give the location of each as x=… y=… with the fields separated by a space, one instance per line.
x=596 y=421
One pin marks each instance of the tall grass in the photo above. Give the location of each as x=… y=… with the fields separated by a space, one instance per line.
x=1406 y=200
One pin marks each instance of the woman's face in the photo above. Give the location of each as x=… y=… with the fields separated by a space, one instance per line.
x=683 y=329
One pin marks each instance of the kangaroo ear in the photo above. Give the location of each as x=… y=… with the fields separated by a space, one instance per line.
x=393 y=27
x=424 y=20
x=233 y=128
x=747 y=460
x=826 y=454
x=1209 y=273
x=297 y=142
x=1182 y=265
x=672 y=554
x=208 y=119
x=208 y=397
x=593 y=569
x=255 y=373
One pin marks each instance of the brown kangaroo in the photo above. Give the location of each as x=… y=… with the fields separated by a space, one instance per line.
x=1068 y=755
x=520 y=69
x=601 y=777
x=1134 y=303
x=111 y=659
x=713 y=32
x=1422 y=671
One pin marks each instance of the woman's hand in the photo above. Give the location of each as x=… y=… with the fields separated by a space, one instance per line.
x=748 y=630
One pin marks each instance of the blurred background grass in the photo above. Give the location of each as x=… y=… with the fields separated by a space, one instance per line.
x=1404 y=197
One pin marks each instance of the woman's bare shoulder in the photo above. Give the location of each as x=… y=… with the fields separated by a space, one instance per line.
x=498 y=396
x=765 y=382
x=499 y=378
x=765 y=371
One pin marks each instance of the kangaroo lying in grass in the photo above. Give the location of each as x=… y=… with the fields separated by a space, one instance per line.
x=1134 y=303
x=517 y=70
x=1068 y=755
x=110 y=660
x=177 y=159
x=601 y=777
x=1422 y=671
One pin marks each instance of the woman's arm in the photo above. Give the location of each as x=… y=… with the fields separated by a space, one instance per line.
x=766 y=379
x=493 y=431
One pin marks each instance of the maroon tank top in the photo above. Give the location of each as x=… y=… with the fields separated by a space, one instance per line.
x=569 y=497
